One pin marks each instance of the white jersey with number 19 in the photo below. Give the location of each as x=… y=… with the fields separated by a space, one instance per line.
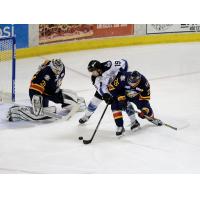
x=110 y=71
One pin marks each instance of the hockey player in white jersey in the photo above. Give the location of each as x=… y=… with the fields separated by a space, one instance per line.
x=102 y=75
x=106 y=72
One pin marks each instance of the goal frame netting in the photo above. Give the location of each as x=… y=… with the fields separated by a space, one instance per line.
x=11 y=93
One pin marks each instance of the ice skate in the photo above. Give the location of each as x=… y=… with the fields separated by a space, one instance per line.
x=135 y=124
x=84 y=119
x=120 y=130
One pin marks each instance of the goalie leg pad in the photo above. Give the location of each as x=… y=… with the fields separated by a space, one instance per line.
x=69 y=96
x=50 y=109
x=37 y=103
x=17 y=113
x=70 y=93
x=70 y=101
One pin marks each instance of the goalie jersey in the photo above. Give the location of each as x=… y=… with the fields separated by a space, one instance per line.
x=45 y=81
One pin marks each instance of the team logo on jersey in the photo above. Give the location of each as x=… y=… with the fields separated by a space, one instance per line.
x=131 y=93
x=139 y=89
x=127 y=87
x=47 y=77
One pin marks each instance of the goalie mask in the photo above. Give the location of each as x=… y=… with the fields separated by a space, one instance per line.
x=134 y=78
x=57 y=66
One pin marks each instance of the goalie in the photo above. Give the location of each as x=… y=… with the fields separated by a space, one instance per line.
x=45 y=87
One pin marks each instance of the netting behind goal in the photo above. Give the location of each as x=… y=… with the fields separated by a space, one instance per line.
x=7 y=69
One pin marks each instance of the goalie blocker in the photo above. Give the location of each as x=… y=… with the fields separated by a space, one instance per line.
x=69 y=100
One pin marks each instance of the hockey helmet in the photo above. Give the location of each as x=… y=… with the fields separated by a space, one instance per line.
x=57 y=66
x=134 y=78
x=94 y=65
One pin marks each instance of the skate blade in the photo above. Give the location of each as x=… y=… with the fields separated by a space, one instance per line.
x=136 y=129
x=129 y=133
x=122 y=135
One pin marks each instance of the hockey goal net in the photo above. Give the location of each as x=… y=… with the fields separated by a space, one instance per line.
x=7 y=69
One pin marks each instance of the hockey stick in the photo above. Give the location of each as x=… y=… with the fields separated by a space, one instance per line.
x=90 y=140
x=150 y=119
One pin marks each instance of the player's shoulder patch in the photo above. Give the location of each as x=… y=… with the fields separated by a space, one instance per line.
x=47 y=77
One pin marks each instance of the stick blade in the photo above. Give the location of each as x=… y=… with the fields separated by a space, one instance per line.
x=87 y=141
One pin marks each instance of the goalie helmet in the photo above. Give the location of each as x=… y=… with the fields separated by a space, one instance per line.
x=134 y=78
x=94 y=65
x=57 y=66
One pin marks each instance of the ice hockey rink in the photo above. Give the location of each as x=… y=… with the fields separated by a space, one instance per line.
x=174 y=74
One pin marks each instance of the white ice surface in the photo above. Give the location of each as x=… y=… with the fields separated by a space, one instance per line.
x=174 y=74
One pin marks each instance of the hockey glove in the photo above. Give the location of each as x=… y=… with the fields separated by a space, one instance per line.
x=108 y=98
x=142 y=114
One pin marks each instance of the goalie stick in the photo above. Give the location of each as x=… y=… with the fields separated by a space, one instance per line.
x=90 y=140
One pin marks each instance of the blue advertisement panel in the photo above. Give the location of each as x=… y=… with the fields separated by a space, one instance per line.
x=19 y=30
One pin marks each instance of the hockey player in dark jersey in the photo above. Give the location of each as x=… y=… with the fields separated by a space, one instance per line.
x=131 y=87
x=138 y=91
x=120 y=103
x=45 y=87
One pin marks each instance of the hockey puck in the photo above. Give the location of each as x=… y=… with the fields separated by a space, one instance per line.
x=80 y=138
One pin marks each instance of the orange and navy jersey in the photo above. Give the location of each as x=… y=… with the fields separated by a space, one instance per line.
x=45 y=81
x=117 y=86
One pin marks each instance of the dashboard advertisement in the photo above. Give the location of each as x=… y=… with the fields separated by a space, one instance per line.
x=18 y=30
